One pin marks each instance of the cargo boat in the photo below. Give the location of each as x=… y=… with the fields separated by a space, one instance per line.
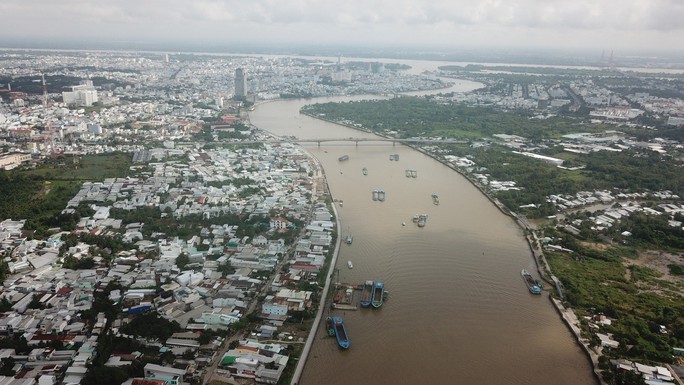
x=378 y=289
x=532 y=284
x=340 y=332
x=422 y=219
x=343 y=158
x=367 y=294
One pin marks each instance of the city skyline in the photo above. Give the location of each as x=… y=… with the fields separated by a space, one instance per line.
x=629 y=26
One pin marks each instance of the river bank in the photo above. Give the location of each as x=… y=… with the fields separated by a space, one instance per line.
x=566 y=314
x=330 y=273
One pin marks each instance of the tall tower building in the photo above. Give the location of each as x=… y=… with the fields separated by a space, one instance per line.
x=240 y=84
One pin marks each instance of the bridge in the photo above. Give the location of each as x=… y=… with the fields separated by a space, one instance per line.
x=394 y=141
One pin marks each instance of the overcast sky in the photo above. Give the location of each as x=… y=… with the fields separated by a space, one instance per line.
x=631 y=25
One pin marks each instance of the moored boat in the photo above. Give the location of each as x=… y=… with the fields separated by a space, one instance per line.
x=367 y=294
x=531 y=283
x=340 y=332
x=435 y=198
x=378 y=289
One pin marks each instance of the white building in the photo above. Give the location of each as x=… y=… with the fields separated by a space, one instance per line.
x=81 y=95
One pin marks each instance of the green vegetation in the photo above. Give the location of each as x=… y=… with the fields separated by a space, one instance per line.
x=532 y=70
x=597 y=280
x=151 y=325
x=420 y=117
x=40 y=194
x=676 y=269
x=84 y=168
x=188 y=225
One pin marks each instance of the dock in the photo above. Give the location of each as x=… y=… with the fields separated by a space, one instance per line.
x=343 y=299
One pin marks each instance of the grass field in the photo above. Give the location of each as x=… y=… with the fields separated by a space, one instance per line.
x=87 y=167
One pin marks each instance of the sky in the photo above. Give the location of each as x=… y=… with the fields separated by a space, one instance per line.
x=627 y=25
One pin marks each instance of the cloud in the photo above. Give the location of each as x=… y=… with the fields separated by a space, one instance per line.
x=431 y=20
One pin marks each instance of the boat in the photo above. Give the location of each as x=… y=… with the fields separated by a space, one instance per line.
x=364 y=171
x=422 y=219
x=349 y=239
x=531 y=283
x=329 y=326
x=403 y=223
x=381 y=195
x=375 y=195
x=415 y=218
x=343 y=158
x=367 y=294
x=435 y=198
x=340 y=332
x=350 y=265
x=378 y=288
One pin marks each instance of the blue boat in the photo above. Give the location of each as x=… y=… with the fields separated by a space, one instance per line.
x=532 y=284
x=340 y=332
x=378 y=289
x=367 y=294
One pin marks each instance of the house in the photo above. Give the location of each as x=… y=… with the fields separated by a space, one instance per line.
x=168 y=374
x=279 y=223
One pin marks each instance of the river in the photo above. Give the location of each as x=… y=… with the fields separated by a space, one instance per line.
x=458 y=311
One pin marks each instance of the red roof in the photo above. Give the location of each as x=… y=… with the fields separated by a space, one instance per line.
x=250 y=348
x=303 y=266
x=64 y=291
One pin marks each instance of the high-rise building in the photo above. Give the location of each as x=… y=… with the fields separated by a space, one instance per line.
x=240 y=85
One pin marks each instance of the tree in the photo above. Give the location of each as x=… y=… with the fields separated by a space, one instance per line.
x=7 y=368
x=182 y=261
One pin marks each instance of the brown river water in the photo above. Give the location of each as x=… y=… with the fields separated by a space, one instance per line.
x=458 y=310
